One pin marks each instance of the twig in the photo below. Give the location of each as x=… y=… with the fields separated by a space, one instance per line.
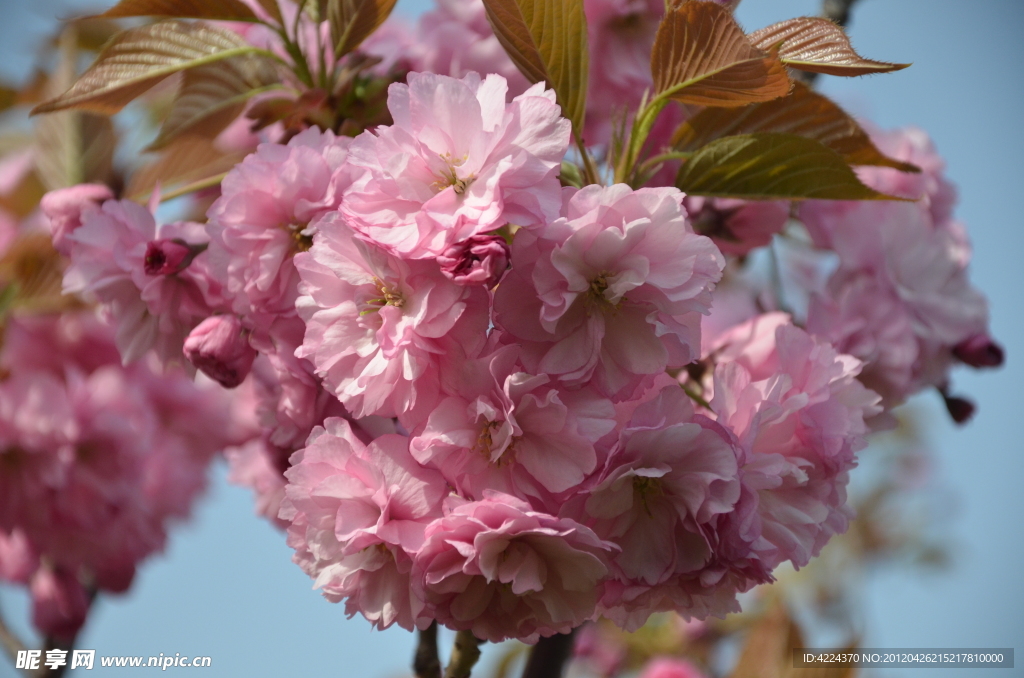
x=549 y=656
x=426 y=663
x=11 y=642
x=465 y=654
x=837 y=10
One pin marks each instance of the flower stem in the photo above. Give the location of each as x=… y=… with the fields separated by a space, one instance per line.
x=549 y=656
x=465 y=654
x=590 y=173
x=695 y=397
x=426 y=663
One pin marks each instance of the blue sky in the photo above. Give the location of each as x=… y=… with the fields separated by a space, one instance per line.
x=226 y=587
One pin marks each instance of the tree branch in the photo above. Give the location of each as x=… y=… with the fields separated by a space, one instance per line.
x=837 y=10
x=549 y=656
x=12 y=644
x=426 y=663
x=465 y=654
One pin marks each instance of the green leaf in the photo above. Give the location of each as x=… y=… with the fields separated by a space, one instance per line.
x=352 y=21
x=571 y=175
x=547 y=40
x=139 y=58
x=212 y=96
x=819 y=46
x=226 y=10
x=771 y=166
x=701 y=56
x=804 y=113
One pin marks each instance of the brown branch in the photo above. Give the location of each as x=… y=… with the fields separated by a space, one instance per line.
x=465 y=654
x=426 y=663
x=837 y=10
x=11 y=642
x=549 y=656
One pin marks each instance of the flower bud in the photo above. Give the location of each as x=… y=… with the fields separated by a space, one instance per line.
x=165 y=257
x=979 y=351
x=960 y=409
x=64 y=208
x=478 y=260
x=219 y=348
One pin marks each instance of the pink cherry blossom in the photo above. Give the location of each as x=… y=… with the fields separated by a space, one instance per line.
x=663 y=495
x=892 y=255
x=99 y=458
x=456 y=39
x=64 y=208
x=667 y=476
x=263 y=218
x=458 y=162
x=152 y=310
x=900 y=299
x=376 y=325
x=357 y=516
x=517 y=433
x=930 y=185
x=799 y=413
x=502 y=570
x=619 y=281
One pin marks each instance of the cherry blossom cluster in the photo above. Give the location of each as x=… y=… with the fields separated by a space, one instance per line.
x=508 y=405
x=98 y=460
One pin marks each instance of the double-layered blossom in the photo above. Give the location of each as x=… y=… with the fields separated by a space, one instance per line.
x=893 y=256
x=458 y=162
x=500 y=569
x=263 y=218
x=64 y=209
x=112 y=258
x=358 y=515
x=900 y=299
x=610 y=293
x=798 y=411
x=502 y=429
x=376 y=325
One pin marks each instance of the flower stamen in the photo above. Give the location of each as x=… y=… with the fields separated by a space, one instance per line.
x=449 y=177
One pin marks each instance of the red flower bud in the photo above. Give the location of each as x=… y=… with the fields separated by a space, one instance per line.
x=219 y=348
x=979 y=351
